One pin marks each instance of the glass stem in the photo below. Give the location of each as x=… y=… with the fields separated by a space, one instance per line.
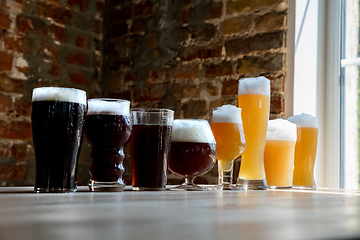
x=189 y=180
x=225 y=177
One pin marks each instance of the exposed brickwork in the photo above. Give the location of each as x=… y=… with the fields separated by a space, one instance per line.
x=189 y=55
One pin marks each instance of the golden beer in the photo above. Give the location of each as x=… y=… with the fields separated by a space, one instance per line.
x=305 y=150
x=279 y=153
x=254 y=99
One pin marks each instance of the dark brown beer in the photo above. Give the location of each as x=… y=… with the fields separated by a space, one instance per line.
x=57 y=128
x=191 y=159
x=107 y=135
x=149 y=160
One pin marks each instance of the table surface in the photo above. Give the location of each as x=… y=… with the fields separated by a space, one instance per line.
x=263 y=214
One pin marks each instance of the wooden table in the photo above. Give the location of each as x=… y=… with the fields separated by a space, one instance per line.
x=271 y=214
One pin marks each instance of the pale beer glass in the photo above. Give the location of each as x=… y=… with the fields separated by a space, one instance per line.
x=305 y=150
x=227 y=127
x=279 y=153
x=254 y=100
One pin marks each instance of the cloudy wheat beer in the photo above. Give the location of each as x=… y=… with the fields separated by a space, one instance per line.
x=193 y=151
x=305 y=150
x=108 y=129
x=58 y=117
x=254 y=100
x=226 y=124
x=279 y=153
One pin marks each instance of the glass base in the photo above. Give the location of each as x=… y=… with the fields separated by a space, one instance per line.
x=258 y=184
x=304 y=187
x=279 y=187
x=54 y=190
x=147 y=189
x=227 y=187
x=96 y=186
x=188 y=187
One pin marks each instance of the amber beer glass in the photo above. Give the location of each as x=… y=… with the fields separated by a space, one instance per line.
x=279 y=153
x=226 y=124
x=254 y=100
x=305 y=150
x=150 y=146
x=57 y=118
x=108 y=129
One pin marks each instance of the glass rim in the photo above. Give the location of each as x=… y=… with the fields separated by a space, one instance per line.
x=65 y=94
x=60 y=88
x=151 y=110
x=108 y=100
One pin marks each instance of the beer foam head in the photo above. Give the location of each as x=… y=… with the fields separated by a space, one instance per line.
x=259 y=86
x=108 y=106
x=281 y=130
x=227 y=113
x=59 y=94
x=192 y=130
x=304 y=120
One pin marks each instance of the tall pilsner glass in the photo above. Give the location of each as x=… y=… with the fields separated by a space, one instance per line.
x=305 y=150
x=227 y=127
x=254 y=99
x=57 y=118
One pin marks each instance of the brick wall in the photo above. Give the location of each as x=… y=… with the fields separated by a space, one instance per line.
x=188 y=55
x=183 y=55
x=43 y=43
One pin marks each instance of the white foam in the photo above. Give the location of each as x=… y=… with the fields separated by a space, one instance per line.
x=259 y=85
x=227 y=113
x=108 y=106
x=281 y=130
x=192 y=130
x=305 y=120
x=59 y=94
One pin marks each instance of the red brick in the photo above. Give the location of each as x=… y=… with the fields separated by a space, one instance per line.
x=15 y=43
x=19 y=152
x=11 y=85
x=161 y=75
x=187 y=71
x=77 y=58
x=143 y=9
x=131 y=77
x=15 y=130
x=23 y=107
x=97 y=26
x=215 y=11
x=5 y=152
x=5 y=21
x=49 y=50
x=79 y=78
x=58 y=14
x=241 y=6
x=55 y=70
x=185 y=14
x=82 y=41
x=81 y=4
x=277 y=104
x=230 y=88
x=5 y=61
x=97 y=60
x=203 y=32
x=195 y=109
x=121 y=95
x=149 y=94
x=5 y=103
x=13 y=173
x=222 y=69
x=193 y=52
x=58 y=33
x=30 y=23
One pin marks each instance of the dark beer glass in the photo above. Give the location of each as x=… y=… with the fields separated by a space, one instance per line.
x=150 y=146
x=57 y=117
x=193 y=151
x=108 y=129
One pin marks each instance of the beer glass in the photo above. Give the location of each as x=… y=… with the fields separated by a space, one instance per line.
x=150 y=146
x=227 y=127
x=254 y=100
x=279 y=153
x=108 y=129
x=305 y=150
x=57 y=118
x=193 y=151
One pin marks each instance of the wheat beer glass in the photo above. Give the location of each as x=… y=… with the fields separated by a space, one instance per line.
x=150 y=146
x=305 y=150
x=227 y=128
x=108 y=129
x=279 y=153
x=193 y=151
x=254 y=100
x=57 y=118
